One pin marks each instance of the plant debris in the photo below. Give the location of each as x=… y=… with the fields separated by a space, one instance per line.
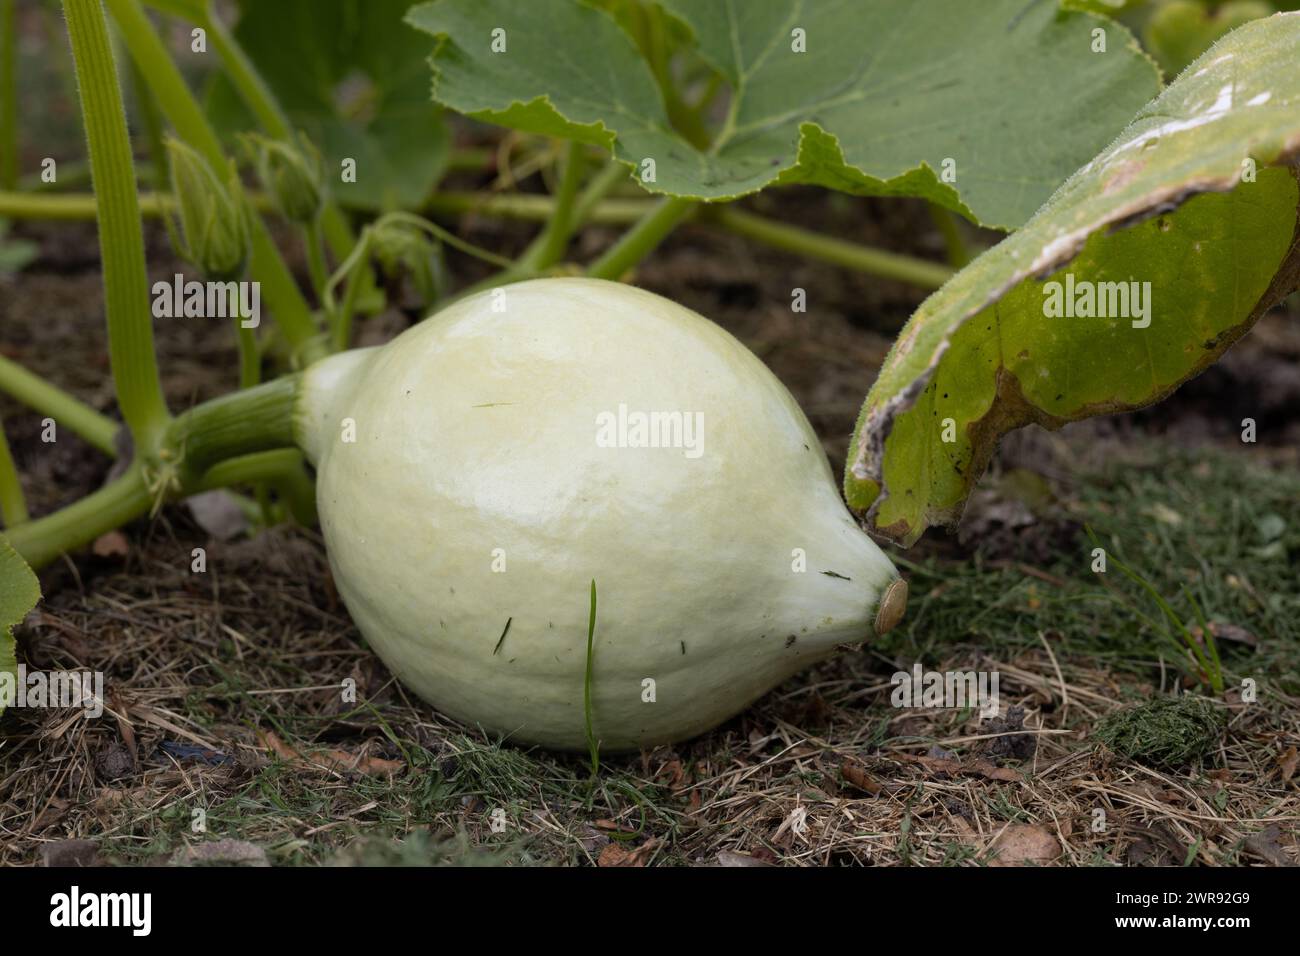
x=1165 y=731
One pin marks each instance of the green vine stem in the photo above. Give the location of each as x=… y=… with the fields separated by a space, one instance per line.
x=8 y=95
x=152 y=121
x=945 y=220
x=639 y=241
x=212 y=445
x=281 y=468
x=354 y=269
x=129 y=496
x=121 y=500
x=257 y=96
x=315 y=248
x=13 y=506
x=525 y=206
x=592 y=200
x=250 y=355
x=78 y=207
x=470 y=159
x=340 y=316
x=889 y=265
x=550 y=244
x=121 y=237
x=239 y=69
x=36 y=393
x=238 y=423
x=73 y=174
x=442 y=235
x=289 y=308
x=566 y=211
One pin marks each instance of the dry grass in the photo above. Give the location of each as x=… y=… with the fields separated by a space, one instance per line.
x=773 y=785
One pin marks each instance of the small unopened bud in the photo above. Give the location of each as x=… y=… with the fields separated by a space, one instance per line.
x=403 y=247
x=290 y=175
x=214 y=221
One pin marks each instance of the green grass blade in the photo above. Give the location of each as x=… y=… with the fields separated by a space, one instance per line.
x=593 y=745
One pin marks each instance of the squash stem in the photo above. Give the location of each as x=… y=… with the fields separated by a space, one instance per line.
x=121 y=236
x=239 y=423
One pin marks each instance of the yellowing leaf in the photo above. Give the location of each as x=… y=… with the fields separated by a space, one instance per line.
x=1181 y=233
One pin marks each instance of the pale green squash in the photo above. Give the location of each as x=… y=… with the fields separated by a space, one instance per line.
x=479 y=489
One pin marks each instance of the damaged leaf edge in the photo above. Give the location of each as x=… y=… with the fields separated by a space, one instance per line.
x=864 y=476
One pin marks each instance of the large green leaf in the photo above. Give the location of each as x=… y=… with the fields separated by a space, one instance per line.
x=351 y=75
x=1176 y=201
x=1010 y=91
x=19 y=592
